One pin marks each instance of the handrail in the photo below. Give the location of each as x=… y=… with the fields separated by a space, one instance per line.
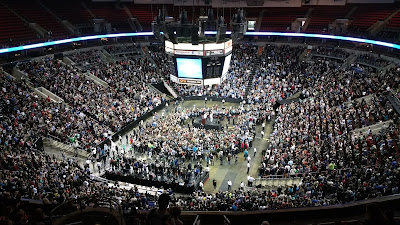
x=226 y=221
x=197 y=220
x=49 y=136
x=54 y=137
x=299 y=209
x=83 y=200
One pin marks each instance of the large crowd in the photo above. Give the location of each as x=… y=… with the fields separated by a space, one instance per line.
x=373 y=60
x=331 y=52
x=318 y=138
x=125 y=98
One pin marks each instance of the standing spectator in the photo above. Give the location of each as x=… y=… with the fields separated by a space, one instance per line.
x=160 y=215
x=175 y=213
x=250 y=180
x=241 y=186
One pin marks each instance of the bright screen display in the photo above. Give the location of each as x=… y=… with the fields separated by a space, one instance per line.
x=189 y=68
x=227 y=63
x=251 y=25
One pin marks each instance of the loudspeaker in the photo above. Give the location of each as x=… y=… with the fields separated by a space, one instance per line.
x=183 y=18
x=156 y=27
x=170 y=34
x=195 y=35
x=58 y=55
x=221 y=34
x=186 y=31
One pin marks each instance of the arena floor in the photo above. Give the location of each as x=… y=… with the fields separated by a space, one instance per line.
x=221 y=173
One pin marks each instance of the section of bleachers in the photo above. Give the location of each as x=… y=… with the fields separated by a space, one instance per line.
x=111 y=13
x=322 y=16
x=144 y=13
x=280 y=19
x=36 y=14
x=13 y=28
x=72 y=11
x=394 y=22
x=367 y=15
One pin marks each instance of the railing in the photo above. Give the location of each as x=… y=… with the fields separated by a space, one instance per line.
x=68 y=146
x=84 y=203
x=197 y=220
x=226 y=221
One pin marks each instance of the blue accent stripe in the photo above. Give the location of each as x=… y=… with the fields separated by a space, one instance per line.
x=44 y=44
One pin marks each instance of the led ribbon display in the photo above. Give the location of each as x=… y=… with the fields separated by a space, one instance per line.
x=50 y=43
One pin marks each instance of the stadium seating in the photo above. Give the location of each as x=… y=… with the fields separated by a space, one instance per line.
x=144 y=14
x=63 y=10
x=394 y=22
x=35 y=14
x=274 y=20
x=322 y=16
x=367 y=15
x=110 y=12
x=13 y=28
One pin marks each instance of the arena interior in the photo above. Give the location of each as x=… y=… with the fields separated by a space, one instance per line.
x=206 y=112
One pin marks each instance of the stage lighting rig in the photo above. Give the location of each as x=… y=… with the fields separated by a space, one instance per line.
x=185 y=31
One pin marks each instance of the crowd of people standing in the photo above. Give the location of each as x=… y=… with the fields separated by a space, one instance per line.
x=317 y=138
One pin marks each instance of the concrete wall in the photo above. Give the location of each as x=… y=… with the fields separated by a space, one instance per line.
x=46 y=93
x=96 y=79
x=18 y=74
x=9 y=75
x=67 y=60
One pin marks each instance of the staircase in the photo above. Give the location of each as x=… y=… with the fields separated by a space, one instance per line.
x=348 y=15
x=56 y=143
x=162 y=87
x=257 y=64
x=379 y=25
x=351 y=59
x=303 y=55
x=165 y=95
x=88 y=10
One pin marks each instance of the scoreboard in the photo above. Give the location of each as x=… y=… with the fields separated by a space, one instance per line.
x=202 y=64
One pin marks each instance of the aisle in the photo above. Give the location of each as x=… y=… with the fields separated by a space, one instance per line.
x=238 y=173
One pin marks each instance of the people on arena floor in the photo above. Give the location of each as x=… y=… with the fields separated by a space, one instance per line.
x=316 y=138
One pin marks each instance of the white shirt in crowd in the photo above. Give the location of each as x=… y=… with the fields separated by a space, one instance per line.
x=250 y=178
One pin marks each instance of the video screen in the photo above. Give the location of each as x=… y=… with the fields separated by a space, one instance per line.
x=227 y=63
x=251 y=25
x=189 y=68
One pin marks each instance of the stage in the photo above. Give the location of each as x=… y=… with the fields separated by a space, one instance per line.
x=199 y=122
